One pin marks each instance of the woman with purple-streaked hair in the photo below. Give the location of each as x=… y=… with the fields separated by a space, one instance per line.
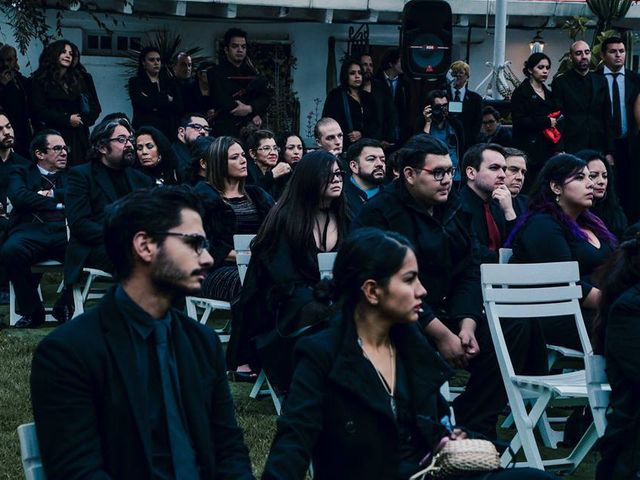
x=559 y=228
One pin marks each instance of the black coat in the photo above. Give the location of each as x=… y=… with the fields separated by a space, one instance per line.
x=87 y=401
x=399 y=116
x=338 y=414
x=445 y=247
x=621 y=441
x=502 y=137
x=631 y=91
x=6 y=168
x=529 y=113
x=471 y=115
x=273 y=186
x=220 y=220
x=228 y=83
x=586 y=108
x=15 y=101
x=364 y=117
x=152 y=106
x=52 y=106
x=89 y=192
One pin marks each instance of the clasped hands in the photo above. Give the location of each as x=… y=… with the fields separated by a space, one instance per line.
x=459 y=349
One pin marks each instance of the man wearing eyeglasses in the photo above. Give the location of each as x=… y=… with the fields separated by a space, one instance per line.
x=106 y=177
x=138 y=389
x=192 y=127
x=37 y=230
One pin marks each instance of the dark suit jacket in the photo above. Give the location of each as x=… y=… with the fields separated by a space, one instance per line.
x=24 y=184
x=631 y=91
x=89 y=191
x=152 y=107
x=587 y=112
x=400 y=115
x=471 y=116
x=337 y=413
x=6 y=169
x=87 y=401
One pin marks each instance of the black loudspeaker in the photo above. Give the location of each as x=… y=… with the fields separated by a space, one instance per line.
x=426 y=38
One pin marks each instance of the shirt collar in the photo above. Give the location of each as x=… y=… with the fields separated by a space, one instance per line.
x=43 y=171
x=140 y=321
x=607 y=71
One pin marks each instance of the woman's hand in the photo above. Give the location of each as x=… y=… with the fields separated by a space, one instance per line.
x=554 y=122
x=281 y=169
x=75 y=120
x=467 y=338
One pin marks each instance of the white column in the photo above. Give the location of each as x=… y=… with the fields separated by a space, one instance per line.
x=499 y=41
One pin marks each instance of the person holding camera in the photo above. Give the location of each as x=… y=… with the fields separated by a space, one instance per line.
x=438 y=124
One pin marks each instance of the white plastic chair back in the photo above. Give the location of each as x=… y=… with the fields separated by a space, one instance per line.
x=504 y=255
x=242 y=246
x=325 y=264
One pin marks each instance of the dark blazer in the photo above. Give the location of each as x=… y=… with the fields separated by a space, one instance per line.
x=52 y=106
x=471 y=116
x=529 y=113
x=619 y=446
x=88 y=193
x=220 y=220
x=399 y=117
x=24 y=184
x=87 y=401
x=521 y=204
x=152 y=106
x=445 y=246
x=502 y=137
x=355 y=197
x=364 y=117
x=338 y=415
x=587 y=112
x=631 y=91
x=6 y=168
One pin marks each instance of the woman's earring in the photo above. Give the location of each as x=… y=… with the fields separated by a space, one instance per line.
x=557 y=198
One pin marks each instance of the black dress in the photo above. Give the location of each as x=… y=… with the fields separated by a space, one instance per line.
x=363 y=118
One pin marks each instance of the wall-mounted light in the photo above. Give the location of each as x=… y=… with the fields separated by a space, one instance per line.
x=536 y=44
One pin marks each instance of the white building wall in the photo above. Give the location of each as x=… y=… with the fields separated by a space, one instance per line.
x=310 y=45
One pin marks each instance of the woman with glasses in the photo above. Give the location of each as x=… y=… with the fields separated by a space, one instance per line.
x=155 y=95
x=155 y=156
x=64 y=98
x=264 y=170
x=277 y=298
x=351 y=106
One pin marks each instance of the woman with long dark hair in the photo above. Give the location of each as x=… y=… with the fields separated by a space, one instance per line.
x=617 y=337
x=558 y=228
x=531 y=104
x=605 y=199
x=351 y=106
x=155 y=95
x=364 y=402
x=155 y=157
x=277 y=295
x=64 y=97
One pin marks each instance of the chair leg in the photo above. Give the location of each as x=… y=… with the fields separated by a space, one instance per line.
x=78 y=304
x=277 y=403
x=583 y=447
x=258 y=385
x=13 y=315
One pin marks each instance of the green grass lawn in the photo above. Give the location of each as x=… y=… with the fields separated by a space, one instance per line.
x=257 y=418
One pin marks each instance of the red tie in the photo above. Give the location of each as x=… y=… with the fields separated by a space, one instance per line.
x=495 y=240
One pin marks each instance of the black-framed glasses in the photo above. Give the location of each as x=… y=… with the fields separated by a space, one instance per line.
x=59 y=148
x=338 y=174
x=200 y=128
x=198 y=242
x=123 y=139
x=439 y=173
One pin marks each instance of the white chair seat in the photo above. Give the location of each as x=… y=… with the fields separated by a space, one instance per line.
x=564 y=384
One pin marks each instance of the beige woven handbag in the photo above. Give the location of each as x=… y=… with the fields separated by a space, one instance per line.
x=462 y=457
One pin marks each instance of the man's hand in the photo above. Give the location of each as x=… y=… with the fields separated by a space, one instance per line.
x=45 y=193
x=467 y=338
x=281 y=169
x=75 y=120
x=450 y=347
x=503 y=195
x=242 y=110
x=354 y=136
x=610 y=160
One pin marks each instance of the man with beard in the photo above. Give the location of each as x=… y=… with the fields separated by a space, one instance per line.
x=135 y=388
x=106 y=177
x=515 y=176
x=368 y=168
x=37 y=229
x=240 y=94
x=192 y=126
x=583 y=99
x=486 y=198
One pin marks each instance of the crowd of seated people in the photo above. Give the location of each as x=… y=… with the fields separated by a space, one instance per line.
x=443 y=202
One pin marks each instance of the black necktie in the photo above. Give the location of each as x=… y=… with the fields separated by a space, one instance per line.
x=617 y=114
x=457 y=96
x=182 y=454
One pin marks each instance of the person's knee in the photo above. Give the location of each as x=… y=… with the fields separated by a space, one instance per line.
x=14 y=253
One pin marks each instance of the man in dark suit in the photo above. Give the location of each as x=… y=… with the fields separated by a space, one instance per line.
x=471 y=115
x=135 y=389
x=366 y=161
x=37 y=228
x=9 y=158
x=106 y=177
x=515 y=176
x=583 y=99
x=15 y=94
x=623 y=87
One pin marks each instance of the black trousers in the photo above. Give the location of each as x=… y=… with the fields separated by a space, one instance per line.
x=27 y=244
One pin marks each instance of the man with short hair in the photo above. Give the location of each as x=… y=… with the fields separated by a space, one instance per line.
x=492 y=130
x=583 y=99
x=328 y=135
x=8 y=159
x=459 y=91
x=487 y=199
x=366 y=161
x=107 y=176
x=192 y=126
x=138 y=388
x=623 y=86
x=37 y=229
x=515 y=177
x=182 y=67
x=240 y=94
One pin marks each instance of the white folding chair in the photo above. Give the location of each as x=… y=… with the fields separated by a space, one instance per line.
x=540 y=290
x=48 y=266
x=598 y=389
x=81 y=294
x=30 y=452
x=325 y=264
